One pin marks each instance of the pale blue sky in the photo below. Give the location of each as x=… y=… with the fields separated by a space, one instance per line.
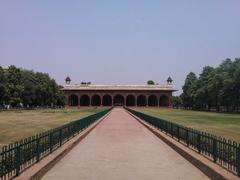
x=126 y=42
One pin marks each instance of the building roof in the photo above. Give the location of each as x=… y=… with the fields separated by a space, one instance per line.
x=118 y=87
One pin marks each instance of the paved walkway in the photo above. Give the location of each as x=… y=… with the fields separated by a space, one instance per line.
x=121 y=148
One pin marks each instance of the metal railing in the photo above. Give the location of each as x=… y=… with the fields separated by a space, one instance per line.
x=222 y=151
x=17 y=156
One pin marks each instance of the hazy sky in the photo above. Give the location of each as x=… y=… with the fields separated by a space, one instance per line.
x=126 y=42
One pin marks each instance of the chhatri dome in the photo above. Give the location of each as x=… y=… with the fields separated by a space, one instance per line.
x=68 y=80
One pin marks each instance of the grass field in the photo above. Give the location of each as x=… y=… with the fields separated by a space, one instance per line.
x=225 y=125
x=15 y=125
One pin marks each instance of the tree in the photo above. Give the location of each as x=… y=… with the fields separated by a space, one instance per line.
x=177 y=101
x=216 y=87
x=14 y=86
x=150 y=82
x=60 y=97
x=236 y=84
x=201 y=98
x=3 y=90
x=29 y=81
x=19 y=86
x=189 y=89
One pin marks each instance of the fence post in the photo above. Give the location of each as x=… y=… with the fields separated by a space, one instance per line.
x=214 y=149
x=178 y=133
x=60 y=134
x=171 y=129
x=74 y=129
x=187 y=137
x=38 y=149
x=69 y=133
x=18 y=159
x=238 y=160
x=166 y=129
x=1 y=157
x=51 y=141
x=199 y=142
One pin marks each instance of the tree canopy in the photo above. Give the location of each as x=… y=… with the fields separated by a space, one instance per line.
x=20 y=87
x=150 y=82
x=215 y=88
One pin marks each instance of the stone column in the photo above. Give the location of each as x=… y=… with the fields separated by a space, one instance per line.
x=101 y=97
x=158 y=100
x=146 y=100
x=90 y=100
x=170 y=98
x=66 y=97
x=112 y=100
x=124 y=100
x=79 y=101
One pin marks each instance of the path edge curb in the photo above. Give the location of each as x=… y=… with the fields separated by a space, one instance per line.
x=213 y=171
x=55 y=157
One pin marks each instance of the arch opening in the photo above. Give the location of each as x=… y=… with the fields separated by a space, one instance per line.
x=84 y=100
x=118 y=100
x=96 y=100
x=141 y=100
x=130 y=101
x=152 y=100
x=73 y=100
x=164 y=101
x=107 y=100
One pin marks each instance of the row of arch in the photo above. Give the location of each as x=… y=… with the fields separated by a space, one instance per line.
x=118 y=100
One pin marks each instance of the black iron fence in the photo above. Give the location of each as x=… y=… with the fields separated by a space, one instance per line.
x=16 y=157
x=220 y=150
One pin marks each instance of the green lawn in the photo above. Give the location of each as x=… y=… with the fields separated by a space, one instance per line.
x=221 y=124
x=15 y=125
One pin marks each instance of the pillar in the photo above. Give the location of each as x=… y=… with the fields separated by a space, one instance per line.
x=79 y=101
x=66 y=97
x=112 y=100
x=159 y=101
x=101 y=98
x=90 y=100
x=146 y=101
